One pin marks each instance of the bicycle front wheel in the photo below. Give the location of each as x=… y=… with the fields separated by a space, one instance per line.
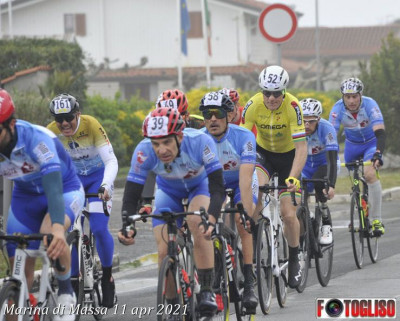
x=9 y=296
x=372 y=242
x=283 y=257
x=356 y=229
x=324 y=256
x=221 y=282
x=169 y=291
x=264 y=265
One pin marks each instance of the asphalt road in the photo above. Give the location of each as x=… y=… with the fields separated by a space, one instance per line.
x=136 y=287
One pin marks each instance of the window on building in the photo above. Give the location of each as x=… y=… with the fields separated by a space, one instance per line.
x=196 y=25
x=75 y=24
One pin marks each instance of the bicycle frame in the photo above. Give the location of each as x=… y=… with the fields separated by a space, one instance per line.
x=271 y=213
x=18 y=275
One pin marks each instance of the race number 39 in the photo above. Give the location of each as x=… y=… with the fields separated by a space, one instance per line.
x=158 y=126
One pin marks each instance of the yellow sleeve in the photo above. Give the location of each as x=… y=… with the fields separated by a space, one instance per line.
x=295 y=115
x=100 y=137
x=248 y=119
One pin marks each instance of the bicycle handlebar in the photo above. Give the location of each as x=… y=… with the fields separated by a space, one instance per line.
x=266 y=188
x=105 y=209
x=23 y=239
x=166 y=214
x=243 y=214
x=358 y=162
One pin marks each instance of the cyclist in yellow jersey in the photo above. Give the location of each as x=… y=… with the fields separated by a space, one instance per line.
x=86 y=141
x=281 y=148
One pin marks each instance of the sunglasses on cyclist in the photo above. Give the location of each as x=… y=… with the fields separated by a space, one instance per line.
x=67 y=117
x=276 y=94
x=218 y=113
x=310 y=121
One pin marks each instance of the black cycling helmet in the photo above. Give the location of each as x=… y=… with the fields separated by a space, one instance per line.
x=216 y=100
x=63 y=104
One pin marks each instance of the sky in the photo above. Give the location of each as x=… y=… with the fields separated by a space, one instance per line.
x=344 y=13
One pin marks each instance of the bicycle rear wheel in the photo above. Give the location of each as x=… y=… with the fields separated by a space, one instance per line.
x=283 y=257
x=9 y=296
x=372 y=242
x=324 y=255
x=169 y=286
x=357 y=235
x=304 y=248
x=264 y=265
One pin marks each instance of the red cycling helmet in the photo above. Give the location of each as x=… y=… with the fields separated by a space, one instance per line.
x=232 y=93
x=162 y=122
x=6 y=106
x=166 y=100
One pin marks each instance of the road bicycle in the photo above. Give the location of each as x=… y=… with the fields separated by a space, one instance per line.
x=89 y=279
x=15 y=300
x=310 y=235
x=272 y=251
x=360 y=226
x=228 y=261
x=177 y=277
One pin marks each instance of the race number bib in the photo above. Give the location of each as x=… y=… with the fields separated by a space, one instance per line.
x=62 y=106
x=350 y=88
x=157 y=126
x=173 y=103
x=213 y=99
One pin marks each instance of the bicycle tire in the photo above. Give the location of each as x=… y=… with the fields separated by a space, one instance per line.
x=324 y=256
x=372 y=242
x=304 y=247
x=264 y=266
x=95 y=297
x=9 y=296
x=168 y=266
x=283 y=258
x=357 y=235
x=221 y=282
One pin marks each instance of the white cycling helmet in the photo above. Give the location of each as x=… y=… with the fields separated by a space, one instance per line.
x=352 y=86
x=273 y=78
x=311 y=107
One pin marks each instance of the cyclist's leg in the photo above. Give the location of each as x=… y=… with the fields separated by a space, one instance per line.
x=73 y=203
x=326 y=236
x=20 y=222
x=289 y=218
x=374 y=190
x=103 y=238
x=203 y=249
x=164 y=200
x=250 y=299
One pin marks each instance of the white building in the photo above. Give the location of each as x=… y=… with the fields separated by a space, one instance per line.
x=140 y=40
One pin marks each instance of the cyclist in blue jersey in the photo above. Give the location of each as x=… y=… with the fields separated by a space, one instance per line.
x=45 y=177
x=364 y=130
x=321 y=161
x=236 y=147
x=86 y=141
x=187 y=166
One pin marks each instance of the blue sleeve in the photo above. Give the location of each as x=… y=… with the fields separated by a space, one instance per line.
x=209 y=154
x=328 y=137
x=44 y=152
x=248 y=148
x=335 y=116
x=374 y=113
x=143 y=160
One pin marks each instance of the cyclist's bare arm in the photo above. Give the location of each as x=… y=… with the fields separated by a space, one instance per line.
x=299 y=161
x=245 y=181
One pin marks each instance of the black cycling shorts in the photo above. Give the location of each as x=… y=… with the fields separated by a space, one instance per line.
x=271 y=163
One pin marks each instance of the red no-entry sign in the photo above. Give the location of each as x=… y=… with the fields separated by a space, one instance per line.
x=277 y=23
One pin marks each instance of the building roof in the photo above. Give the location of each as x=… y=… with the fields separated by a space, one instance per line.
x=354 y=42
x=251 y=4
x=166 y=73
x=25 y=72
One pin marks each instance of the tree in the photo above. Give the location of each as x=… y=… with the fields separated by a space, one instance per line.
x=63 y=57
x=382 y=83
